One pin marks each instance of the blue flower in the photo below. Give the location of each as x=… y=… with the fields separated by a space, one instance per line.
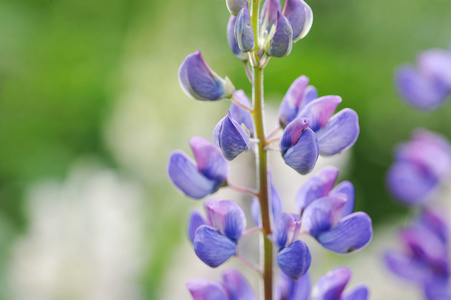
x=230 y=137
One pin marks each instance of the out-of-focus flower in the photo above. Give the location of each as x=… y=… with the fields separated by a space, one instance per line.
x=202 y=178
x=200 y=82
x=233 y=287
x=422 y=164
x=289 y=289
x=428 y=84
x=230 y=137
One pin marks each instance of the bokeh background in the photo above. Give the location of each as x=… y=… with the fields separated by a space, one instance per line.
x=90 y=109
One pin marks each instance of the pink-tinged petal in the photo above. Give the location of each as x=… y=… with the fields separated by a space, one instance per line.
x=302 y=157
x=241 y=115
x=206 y=290
x=237 y=286
x=269 y=14
x=226 y=216
x=233 y=44
x=294 y=289
x=234 y=6
x=286 y=229
x=437 y=64
x=200 y=82
x=323 y=214
x=212 y=247
x=331 y=285
x=185 y=176
x=195 y=221
x=340 y=133
x=244 y=33
x=295 y=259
x=300 y=16
x=310 y=94
x=231 y=138
x=419 y=90
x=210 y=160
x=291 y=102
x=280 y=40
x=292 y=133
x=409 y=183
x=320 y=110
x=316 y=187
x=406 y=267
x=357 y=293
x=345 y=188
x=352 y=233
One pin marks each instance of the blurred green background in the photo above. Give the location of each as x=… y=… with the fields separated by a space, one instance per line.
x=98 y=79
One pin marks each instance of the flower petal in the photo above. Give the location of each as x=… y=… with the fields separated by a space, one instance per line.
x=320 y=110
x=435 y=222
x=241 y=115
x=294 y=289
x=233 y=44
x=206 y=290
x=303 y=156
x=234 y=6
x=212 y=247
x=200 y=82
x=331 y=285
x=406 y=267
x=280 y=39
x=269 y=15
x=210 y=160
x=352 y=233
x=345 y=188
x=195 y=221
x=292 y=133
x=340 y=133
x=323 y=214
x=436 y=63
x=358 y=293
x=237 y=286
x=300 y=16
x=286 y=229
x=291 y=102
x=295 y=259
x=227 y=217
x=185 y=176
x=310 y=94
x=244 y=33
x=231 y=137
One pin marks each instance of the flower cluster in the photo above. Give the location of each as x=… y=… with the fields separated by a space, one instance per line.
x=427 y=85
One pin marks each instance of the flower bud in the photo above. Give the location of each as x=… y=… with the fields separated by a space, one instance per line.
x=280 y=39
x=231 y=137
x=244 y=33
x=200 y=82
x=233 y=44
x=269 y=15
x=300 y=16
x=234 y=6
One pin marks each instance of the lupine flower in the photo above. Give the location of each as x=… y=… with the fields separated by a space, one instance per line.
x=327 y=215
x=422 y=164
x=280 y=38
x=332 y=285
x=233 y=44
x=424 y=259
x=234 y=6
x=274 y=200
x=326 y=134
x=289 y=289
x=203 y=177
x=428 y=84
x=230 y=137
x=241 y=115
x=233 y=287
x=200 y=82
x=215 y=241
x=244 y=33
x=294 y=256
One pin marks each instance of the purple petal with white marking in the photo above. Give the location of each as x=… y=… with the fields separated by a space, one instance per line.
x=323 y=214
x=345 y=188
x=200 y=82
x=331 y=285
x=292 y=133
x=352 y=233
x=226 y=216
x=212 y=247
x=292 y=101
x=316 y=187
x=195 y=221
x=320 y=110
x=269 y=14
x=241 y=115
x=436 y=63
x=233 y=44
x=293 y=289
x=231 y=138
x=286 y=229
x=295 y=259
x=185 y=176
x=340 y=133
x=357 y=293
x=300 y=16
x=302 y=157
x=244 y=33
x=234 y=6
x=206 y=290
x=210 y=160
x=410 y=184
x=237 y=286
x=280 y=41
x=420 y=90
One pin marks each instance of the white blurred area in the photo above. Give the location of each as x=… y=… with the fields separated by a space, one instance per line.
x=83 y=240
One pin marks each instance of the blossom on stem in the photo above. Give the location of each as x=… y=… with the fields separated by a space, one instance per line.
x=422 y=164
x=203 y=177
x=280 y=38
x=289 y=289
x=230 y=137
x=200 y=82
x=241 y=115
x=233 y=43
x=244 y=34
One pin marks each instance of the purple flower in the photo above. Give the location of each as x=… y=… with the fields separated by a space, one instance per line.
x=203 y=177
x=289 y=289
x=327 y=213
x=241 y=115
x=230 y=137
x=244 y=34
x=428 y=84
x=300 y=16
x=294 y=257
x=233 y=287
x=280 y=38
x=421 y=165
x=274 y=200
x=200 y=82
x=234 y=6
x=332 y=285
x=233 y=44
x=215 y=241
